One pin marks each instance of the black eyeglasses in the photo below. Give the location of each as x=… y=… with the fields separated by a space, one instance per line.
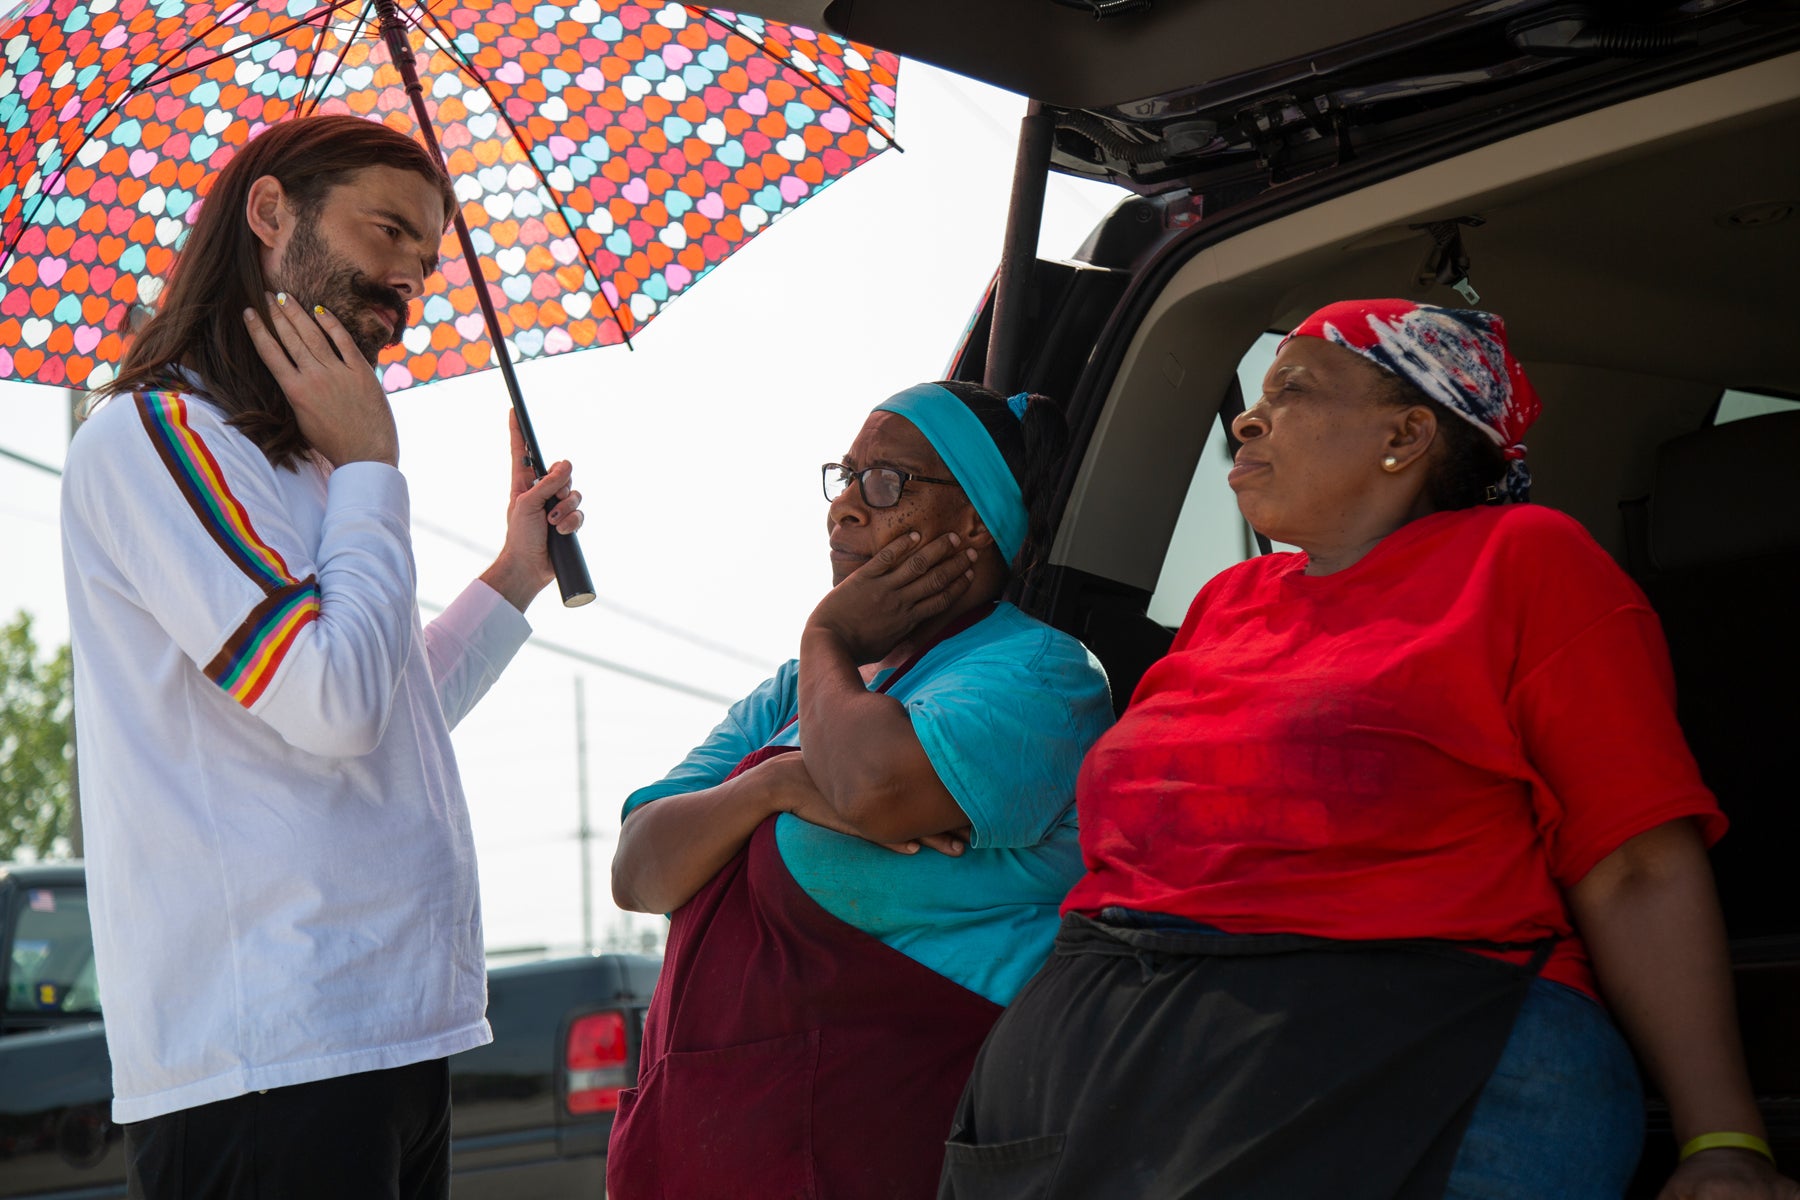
x=881 y=486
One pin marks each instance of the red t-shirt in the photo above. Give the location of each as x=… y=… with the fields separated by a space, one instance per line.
x=1433 y=742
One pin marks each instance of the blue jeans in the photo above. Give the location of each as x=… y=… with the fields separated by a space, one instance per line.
x=1562 y=1117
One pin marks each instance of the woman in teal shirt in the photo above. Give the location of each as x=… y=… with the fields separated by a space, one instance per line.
x=828 y=980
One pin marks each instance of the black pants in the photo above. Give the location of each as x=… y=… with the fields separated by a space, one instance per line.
x=381 y=1135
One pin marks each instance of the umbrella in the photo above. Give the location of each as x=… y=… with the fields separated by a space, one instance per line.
x=606 y=155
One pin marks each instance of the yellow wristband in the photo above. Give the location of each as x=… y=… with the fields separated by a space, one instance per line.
x=1737 y=1141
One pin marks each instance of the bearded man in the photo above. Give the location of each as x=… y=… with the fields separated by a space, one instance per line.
x=280 y=868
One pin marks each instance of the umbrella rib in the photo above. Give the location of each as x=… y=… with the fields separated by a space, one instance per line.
x=362 y=21
x=863 y=115
x=200 y=36
x=194 y=40
x=105 y=115
x=312 y=65
x=190 y=68
x=425 y=11
x=152 y=80
x=437 y=37
x=49 y=189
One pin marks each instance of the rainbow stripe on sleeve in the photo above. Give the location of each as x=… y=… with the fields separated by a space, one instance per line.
x=253 y=653
x=202 y=483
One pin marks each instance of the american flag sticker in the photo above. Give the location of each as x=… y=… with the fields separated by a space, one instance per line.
x=43 y=900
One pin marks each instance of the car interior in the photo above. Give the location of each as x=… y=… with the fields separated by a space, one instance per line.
x=1638 y=254
x=1645 y=258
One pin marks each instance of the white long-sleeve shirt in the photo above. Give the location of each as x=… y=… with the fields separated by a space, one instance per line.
x=280 y=867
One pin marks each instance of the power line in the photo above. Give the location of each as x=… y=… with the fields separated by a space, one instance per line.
x=45 y=467
x=613 y=606
x=617 y=668
x=592 y=660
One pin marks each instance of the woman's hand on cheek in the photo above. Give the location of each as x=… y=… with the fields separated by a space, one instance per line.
x=1728 y=1174
x=907 y=583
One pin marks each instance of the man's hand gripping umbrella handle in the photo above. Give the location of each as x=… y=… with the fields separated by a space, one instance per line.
x=565 y=552
x=566 y=559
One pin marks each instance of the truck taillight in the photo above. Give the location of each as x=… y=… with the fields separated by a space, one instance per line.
x=597 y=1060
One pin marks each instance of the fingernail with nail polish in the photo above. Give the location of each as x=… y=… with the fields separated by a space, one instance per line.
x=281 y=297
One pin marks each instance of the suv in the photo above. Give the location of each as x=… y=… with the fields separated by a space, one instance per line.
x=1619 y=181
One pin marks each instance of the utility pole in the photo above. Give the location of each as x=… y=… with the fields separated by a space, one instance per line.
x=585 y=832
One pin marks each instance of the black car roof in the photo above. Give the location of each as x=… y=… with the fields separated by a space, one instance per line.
x=56 y=874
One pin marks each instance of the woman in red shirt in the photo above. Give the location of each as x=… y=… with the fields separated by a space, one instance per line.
x=1376 y=836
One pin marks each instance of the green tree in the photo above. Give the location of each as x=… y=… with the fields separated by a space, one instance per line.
x=37 y=752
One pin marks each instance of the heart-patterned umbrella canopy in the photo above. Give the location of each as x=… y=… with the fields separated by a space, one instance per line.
x=607 y=154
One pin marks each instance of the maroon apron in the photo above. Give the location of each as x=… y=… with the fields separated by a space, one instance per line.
x=788 y=1054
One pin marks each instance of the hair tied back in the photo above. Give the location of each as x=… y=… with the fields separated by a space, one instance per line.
x=1018 y=404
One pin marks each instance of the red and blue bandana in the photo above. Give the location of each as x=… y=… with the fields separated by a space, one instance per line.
x=1455 y=356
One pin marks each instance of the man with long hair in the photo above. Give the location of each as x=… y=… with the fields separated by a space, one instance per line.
x=280 y=867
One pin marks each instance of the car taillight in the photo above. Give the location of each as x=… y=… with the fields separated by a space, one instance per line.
x=597 y=1060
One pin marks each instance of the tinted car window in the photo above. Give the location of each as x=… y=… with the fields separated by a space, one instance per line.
x=52 y=968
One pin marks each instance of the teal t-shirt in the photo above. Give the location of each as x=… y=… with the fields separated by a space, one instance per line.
x=1005 y=710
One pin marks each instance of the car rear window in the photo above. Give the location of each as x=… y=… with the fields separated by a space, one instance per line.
x=52 y=968
x=1738 y=405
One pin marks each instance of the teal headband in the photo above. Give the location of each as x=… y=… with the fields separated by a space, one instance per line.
x=962 y=441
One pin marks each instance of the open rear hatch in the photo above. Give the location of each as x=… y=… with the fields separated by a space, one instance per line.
x=1155 y=94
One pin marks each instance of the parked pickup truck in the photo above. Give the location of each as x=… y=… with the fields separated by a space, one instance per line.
x=531 y=1111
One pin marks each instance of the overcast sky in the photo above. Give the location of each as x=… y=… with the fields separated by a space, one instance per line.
x=698 y=457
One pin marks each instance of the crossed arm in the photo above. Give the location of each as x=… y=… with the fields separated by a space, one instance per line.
x=863 y=772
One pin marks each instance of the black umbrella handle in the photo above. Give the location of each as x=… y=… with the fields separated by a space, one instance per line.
x=565 y=553
x=571 y=569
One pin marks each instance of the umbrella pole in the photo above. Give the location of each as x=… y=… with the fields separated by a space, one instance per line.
x=1031 y=175
x=565 y=552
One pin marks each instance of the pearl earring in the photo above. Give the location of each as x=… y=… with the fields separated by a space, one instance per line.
x=1390 y=463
